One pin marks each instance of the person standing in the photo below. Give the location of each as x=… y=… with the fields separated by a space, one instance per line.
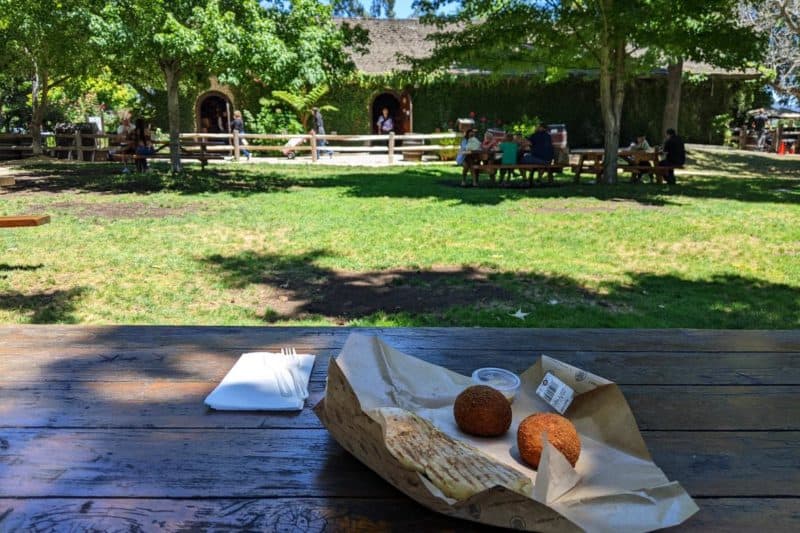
x=675 y=152
x=462 y=150
x=319 y=129
x=760 y=125
x=385 y=122
x=238 y=126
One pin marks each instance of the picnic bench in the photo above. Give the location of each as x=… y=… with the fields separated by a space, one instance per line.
x=477 y=162
x=525 y=168
x=104 y=427
x=590 y=160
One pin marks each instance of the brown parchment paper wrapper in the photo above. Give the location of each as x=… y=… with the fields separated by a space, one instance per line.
x=615 y=486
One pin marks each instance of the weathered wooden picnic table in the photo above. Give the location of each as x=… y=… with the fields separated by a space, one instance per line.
x=104 y=428
x=591 y=159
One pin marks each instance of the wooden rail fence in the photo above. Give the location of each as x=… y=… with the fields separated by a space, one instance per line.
x=92 y=147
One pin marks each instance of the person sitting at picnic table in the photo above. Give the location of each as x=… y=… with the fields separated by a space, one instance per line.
x=143 y=143
x=675 y=152
x=508 y=150
x=637 y=157
x=125 y=127
x=490 y=142
x=541 y=152
x=462 y=148
x=124 y=133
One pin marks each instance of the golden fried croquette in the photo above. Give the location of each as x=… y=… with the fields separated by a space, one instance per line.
x=561 y=433
x=482 y=411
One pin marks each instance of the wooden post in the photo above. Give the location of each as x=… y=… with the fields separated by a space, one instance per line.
x=314 y=146
x=203 y=154
x=78 y=147
x=391 y=147
x=776 y=142
x=742 y=137
x=236 y=150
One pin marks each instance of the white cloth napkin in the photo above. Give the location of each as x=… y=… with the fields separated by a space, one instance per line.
x=263 y=381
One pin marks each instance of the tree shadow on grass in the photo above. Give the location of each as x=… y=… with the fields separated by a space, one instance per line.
x=7 y=267
x=109 y=179
x=710 y=175
x=53 y=307
x=296 y=288
x=444 y=184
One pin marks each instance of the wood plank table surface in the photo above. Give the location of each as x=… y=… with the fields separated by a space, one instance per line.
x=104 y=428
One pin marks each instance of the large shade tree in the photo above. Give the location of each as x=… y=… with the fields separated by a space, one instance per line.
x=779 y=21
x=618 y=39
x=161 y=42
x=47 y=44
x=279 y=44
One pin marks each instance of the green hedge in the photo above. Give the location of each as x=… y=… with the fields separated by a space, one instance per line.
x=573 y=101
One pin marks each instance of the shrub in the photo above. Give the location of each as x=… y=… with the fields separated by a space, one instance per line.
x=524 y=126
x=450 y=153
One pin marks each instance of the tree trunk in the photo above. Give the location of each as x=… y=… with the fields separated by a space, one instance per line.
x=612 y=95
x=672 y=107
x=172 y=74
x=39 y=91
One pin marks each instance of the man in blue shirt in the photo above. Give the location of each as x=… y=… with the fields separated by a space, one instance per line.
x=541 y=147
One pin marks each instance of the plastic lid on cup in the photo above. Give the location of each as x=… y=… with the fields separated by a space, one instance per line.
x=498 y=378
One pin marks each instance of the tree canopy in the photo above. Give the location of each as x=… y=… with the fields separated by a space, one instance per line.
x=615 y=38
x=356 y=8
x=46 y=44
x=779 y=21
x=276 y=44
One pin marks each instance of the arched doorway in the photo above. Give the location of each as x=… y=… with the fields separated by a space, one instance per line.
x=213 y=112
x=399 y=109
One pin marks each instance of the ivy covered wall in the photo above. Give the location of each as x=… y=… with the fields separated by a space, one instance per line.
x=437 y=104
x=573 y=101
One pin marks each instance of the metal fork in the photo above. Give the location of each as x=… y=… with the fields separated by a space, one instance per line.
x=284 y=387
x=299 y=382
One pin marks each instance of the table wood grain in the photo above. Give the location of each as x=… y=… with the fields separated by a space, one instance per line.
x=103 y=428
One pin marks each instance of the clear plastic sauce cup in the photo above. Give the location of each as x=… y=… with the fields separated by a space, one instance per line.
x=498 y=378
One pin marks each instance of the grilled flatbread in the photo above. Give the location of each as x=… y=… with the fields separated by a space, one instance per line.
x=456 y=468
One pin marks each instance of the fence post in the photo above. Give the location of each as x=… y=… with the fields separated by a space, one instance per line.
x=391 y=147
x=236 y=145
x=78 y=148
x=314 y=146
x=776 y=142
x=742 y=137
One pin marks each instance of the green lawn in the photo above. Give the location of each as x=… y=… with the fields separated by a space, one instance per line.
x=256 y=244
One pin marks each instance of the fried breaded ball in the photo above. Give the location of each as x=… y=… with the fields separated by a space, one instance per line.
x=561 y=433
x=482 y=411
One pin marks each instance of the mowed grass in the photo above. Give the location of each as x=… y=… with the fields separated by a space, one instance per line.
x=258 y=244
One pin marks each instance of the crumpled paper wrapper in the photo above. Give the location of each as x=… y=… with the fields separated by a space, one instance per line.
x=615 y=486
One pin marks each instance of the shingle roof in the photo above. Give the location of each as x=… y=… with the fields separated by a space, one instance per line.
x=390 y=37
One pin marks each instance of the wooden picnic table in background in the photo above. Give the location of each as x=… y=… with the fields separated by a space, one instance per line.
x=591 y=159
x=104 y=427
